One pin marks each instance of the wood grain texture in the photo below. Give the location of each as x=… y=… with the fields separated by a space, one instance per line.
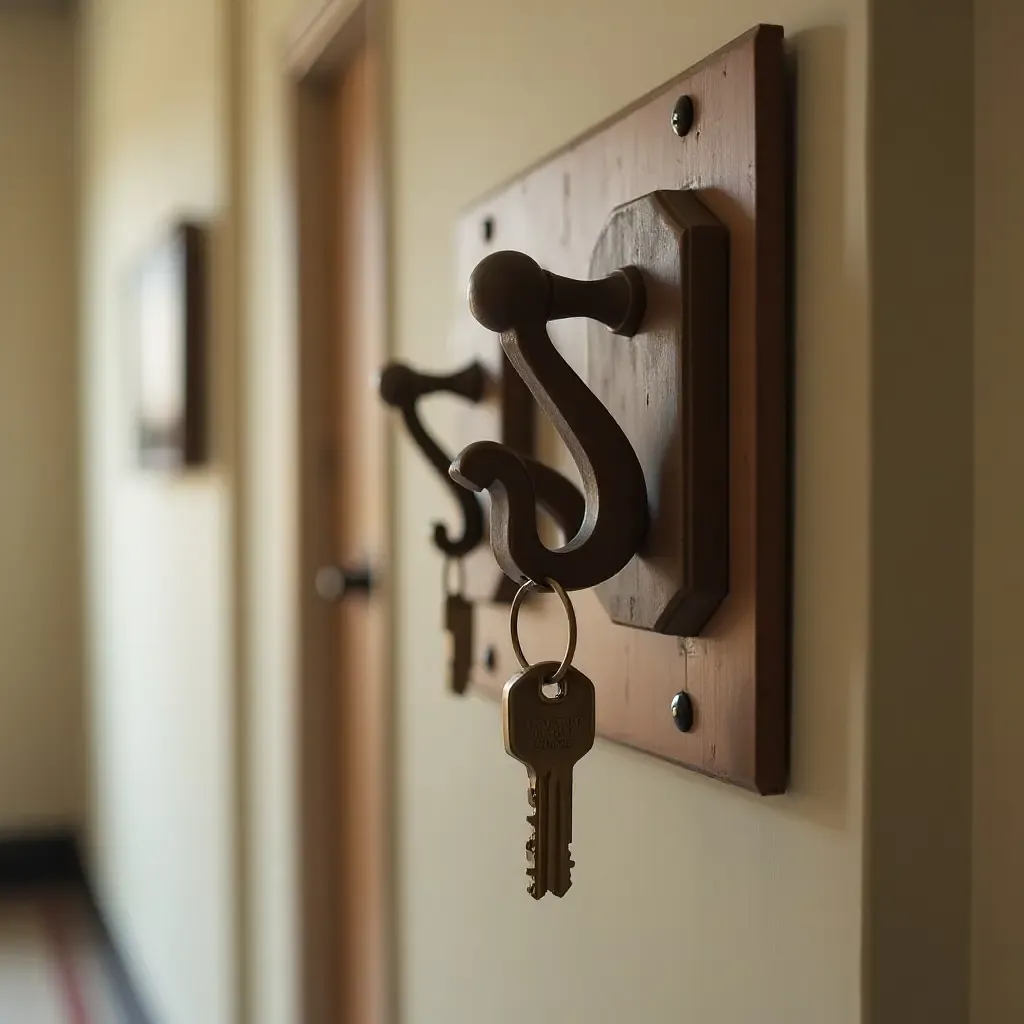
x=361 y=725
x=735 y=156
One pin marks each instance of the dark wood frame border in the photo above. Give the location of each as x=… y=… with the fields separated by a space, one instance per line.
x=190 y=239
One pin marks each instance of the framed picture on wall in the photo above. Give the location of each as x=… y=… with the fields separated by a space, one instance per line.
x=169 y=327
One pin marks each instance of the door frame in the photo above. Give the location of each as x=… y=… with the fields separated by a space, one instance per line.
x=323 y=45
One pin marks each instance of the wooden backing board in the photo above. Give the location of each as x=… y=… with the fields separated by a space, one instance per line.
x=736 y=672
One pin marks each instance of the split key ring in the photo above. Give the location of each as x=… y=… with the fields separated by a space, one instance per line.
x=570 y=614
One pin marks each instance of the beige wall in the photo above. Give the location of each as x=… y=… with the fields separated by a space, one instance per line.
x=998 y=991
x=693 y=900
x=160 y=585
x=41 y=706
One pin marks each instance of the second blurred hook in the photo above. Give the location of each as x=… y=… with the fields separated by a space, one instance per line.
x=401 y=387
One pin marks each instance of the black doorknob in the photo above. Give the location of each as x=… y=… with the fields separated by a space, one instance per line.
x=334 y=583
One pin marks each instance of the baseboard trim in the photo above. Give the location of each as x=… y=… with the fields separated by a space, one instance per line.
x=120 y=974
x=53 y=858
x=39 y=858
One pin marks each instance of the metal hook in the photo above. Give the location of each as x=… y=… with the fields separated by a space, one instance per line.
x=401 y=387
x=511 y=295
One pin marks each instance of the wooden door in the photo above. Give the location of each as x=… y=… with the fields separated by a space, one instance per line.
x=359 y=535
x=344 y=727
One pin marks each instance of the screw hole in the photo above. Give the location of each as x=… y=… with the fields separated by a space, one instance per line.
x=682 y=115
x=682 y=711
x=552 y=691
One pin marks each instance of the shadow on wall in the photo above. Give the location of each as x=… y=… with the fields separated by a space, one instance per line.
x=830 y=470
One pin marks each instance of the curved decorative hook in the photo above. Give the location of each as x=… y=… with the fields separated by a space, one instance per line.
x=401 y=387
x=510 y=294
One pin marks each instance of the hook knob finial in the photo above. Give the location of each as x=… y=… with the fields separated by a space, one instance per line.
x=508 y=288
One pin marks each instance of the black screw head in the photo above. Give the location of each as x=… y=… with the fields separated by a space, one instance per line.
x=490 y=658
x=682 y=115
x=682 y=711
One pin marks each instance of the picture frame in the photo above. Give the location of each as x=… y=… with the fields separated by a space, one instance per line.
x=169 y=291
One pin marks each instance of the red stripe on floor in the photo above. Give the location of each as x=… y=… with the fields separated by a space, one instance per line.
x=65 y=967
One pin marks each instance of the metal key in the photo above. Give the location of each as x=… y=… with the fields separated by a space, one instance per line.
x=458 y=624
x=549 y=735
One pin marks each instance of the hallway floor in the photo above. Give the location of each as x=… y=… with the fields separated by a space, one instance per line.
x=52 y=966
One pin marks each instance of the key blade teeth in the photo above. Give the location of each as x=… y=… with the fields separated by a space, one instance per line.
x=562 y=889
x=555 y=811
x=549 y=736
x=560 y=882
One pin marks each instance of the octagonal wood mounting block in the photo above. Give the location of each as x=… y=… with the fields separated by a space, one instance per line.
x=668 y=388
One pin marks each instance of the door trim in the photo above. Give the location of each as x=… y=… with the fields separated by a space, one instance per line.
x=326 y=37
x=322 y=47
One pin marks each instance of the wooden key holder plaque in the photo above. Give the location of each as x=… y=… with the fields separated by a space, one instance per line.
x=708 y=424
